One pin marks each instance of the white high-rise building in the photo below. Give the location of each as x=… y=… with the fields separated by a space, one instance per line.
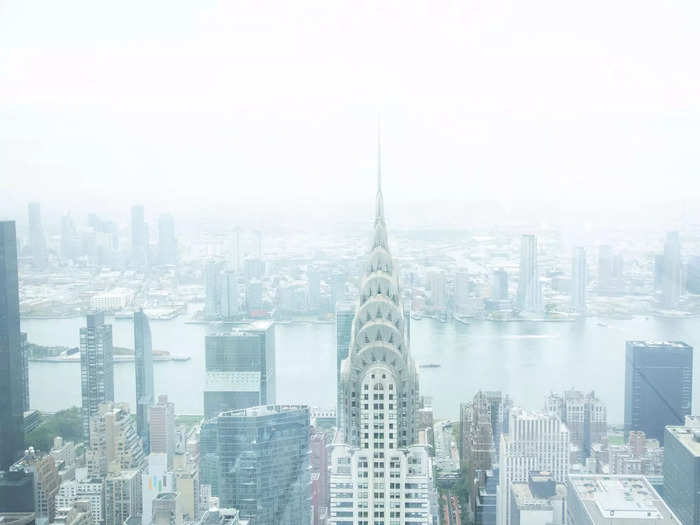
x=529 y=290
x=579 y=280
x=379 y=475
x=535 y=442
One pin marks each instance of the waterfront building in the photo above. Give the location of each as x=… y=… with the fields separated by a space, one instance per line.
x=461 y=297
x=529 y=289
x=167 y=243
x=611 y=500
x=681 y=470
x=122 y=495
x=437 y=282
x=263 y=463
x=162 y=424
x=37 y=241
x=12 y=389
x=499 y=285
x=671 y=286
x=378 y=473
x=96 y=367
x=579 y=280
x=143 y=367
x=113 y=440
x=46 y=482
x=240 y=368
x=139 y=237
x=228 y=288
x=344 y=314
x=658 y=385
x=534 y=442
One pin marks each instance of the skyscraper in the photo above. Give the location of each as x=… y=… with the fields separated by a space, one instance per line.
x=167 y=243
x=535 y=442
x=162 y=423
x=671 y=287
x=529 y=290
x=139 y=237
x=240 y=368
x=682 y=470
x=228 y=307
x=579 y=280
x=37 y=241
x=658 y=385
x=379 y=404
x=212 y=300
x=143 y=367
x=70 y=242
x=263 y=457
x=11 y=368
x=96 y=367
x=344 y=314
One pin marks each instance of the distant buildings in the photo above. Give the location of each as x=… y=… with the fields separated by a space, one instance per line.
x=638 y=456
x=585 y=417
x=139 y=238
x=167 y=243
x=682 y=470
x=610 y=500
x=437 y=282
x=143 y=367
x=499 y=285
x=671 y=271
x=658 y=385
x=461 y=297
x=693 y=277
x=12 y=389
x=529 y=290
x=37 y=241
x=96 y=367
x=265 y=478
x=240 y=368
x=534 y=442
x=610 y=271
x=344 y=314
x=229 y=296
x=579 y=280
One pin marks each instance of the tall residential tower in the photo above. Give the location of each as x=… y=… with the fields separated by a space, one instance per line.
x=143 y=367
x=96 y=367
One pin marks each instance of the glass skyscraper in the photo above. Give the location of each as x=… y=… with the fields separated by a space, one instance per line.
x=658 y=386
x=262 y=455
x=96 y=367
x=344 y=314
x=143 y=367
x=11 y=366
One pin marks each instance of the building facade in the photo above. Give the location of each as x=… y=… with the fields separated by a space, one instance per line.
x=96 y=367
x=162 y=423
x=529 y=289
x=143 y=367
x=682 y=470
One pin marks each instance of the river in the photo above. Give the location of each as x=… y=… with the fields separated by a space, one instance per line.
x=524 y=359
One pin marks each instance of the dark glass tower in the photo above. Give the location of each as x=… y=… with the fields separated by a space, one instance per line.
x=658 y=386
x=11 y=368
x=96 y=367
x=143 y=354
x=263 y=459
x=344 y=314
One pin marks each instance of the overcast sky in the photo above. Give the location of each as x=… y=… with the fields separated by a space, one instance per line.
x=266 y=105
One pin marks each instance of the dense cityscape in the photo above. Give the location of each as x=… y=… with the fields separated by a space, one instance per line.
x=379 y=452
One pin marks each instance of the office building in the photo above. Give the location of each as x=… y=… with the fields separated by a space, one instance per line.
x=375 y=452
x=263 y=459
x=671 y=271
x=24 y=348
x=693 y=275
x=212 y=294
x=113 y=440
x=167 y=243
x=579 y=280
x=96 y=367
x=12 y=389
x=46 y=481
x=77 y=514
x=539 y=501
x=610 y=500
x=143 y=367
x=240 y=368
x=139 y=238
x=229 y=296
x=122 y=495
x=37 y=241
x=681 y=470
x=337 y=286
x=162 y=424
x=320 y=497
x=254 y=296
x=16 y=491
x=529 y=289
x=344 y=314
x=166 y=509
x=83 y=488
x=156 y=479
x=482 y=497
x=534 y=442
x=585 y=416
x=658 y=385
x=220 y=517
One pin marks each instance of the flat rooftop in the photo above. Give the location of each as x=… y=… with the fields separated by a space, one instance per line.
x=265 y=410
x=686 y=436
x=621 y=500
x=659 y=344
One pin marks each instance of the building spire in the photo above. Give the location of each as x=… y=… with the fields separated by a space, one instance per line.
x=380 y=198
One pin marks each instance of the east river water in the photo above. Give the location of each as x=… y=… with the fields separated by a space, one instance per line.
x=524 y=359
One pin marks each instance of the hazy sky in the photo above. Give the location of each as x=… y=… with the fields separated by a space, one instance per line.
x=264 y=105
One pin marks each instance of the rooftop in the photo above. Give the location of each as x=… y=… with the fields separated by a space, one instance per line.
x=263 y=411
x=689 y=437
x=659 y=344
x=621 y=500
